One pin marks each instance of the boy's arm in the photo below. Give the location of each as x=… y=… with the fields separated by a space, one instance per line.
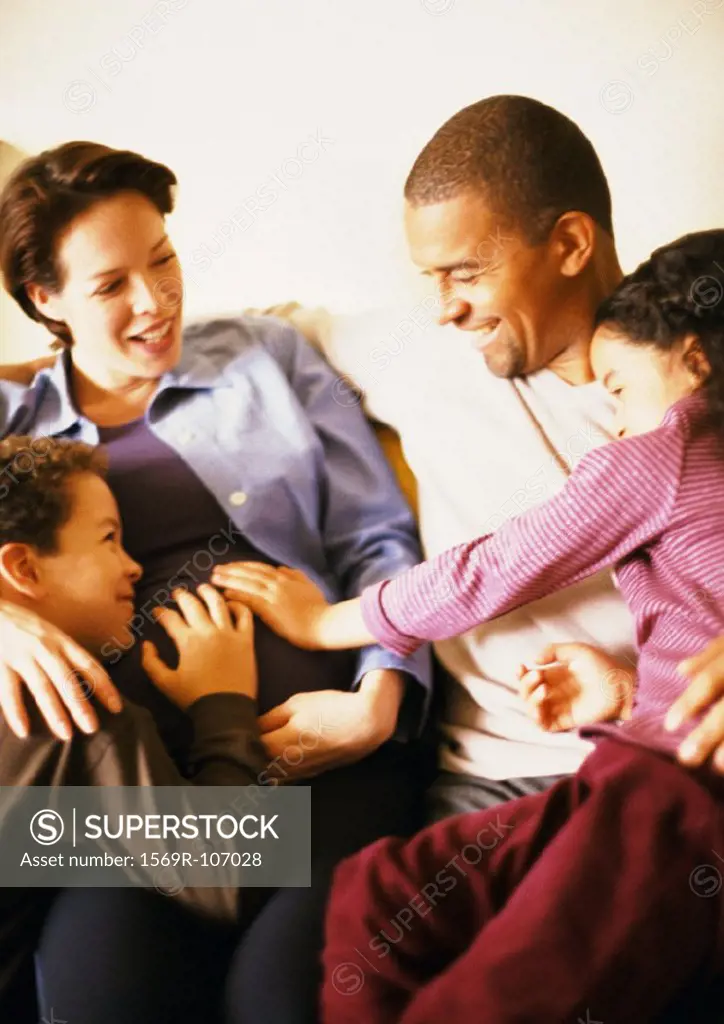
x=128 y=751
x=226 y=749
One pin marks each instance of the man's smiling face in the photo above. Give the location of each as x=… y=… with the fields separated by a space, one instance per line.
x=493 y=283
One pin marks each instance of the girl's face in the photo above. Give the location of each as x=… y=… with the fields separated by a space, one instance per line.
x=645 y=381
x=121 y=293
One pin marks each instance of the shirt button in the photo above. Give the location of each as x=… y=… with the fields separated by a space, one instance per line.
x=187 y=437
x=237 y=498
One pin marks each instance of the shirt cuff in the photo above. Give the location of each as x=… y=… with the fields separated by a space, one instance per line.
x=418 y=678
x=377 y=622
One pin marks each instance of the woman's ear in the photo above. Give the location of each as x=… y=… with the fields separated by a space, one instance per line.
x=47 y=303
x=573 y=239
x=695 y=359
x=20 y=571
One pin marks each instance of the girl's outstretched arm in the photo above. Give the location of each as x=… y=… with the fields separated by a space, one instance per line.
x=619 y=498
x=293 y=606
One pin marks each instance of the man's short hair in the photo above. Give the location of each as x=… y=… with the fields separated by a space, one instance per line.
x=529 y=161
x=35 y=499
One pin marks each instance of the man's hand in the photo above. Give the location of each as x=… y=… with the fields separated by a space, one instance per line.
x=215 y=641
x=313 y=732
x=705 y=691
x=584 y=686
x=60 y=674
x=23 y=373
x=285 y=599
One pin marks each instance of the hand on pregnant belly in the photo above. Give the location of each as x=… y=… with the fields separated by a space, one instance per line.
x=313 y=732
x=285 y=599
x=215 y=641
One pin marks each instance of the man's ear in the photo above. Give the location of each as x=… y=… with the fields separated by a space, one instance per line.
x=47 y=303
x=695 y=359
x=573 y=240
x=20 y=570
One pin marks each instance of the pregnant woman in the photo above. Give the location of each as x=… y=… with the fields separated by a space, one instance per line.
x=225 y=445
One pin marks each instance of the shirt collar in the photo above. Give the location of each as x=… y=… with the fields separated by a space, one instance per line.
x=57 y=411
x=194 y=371
x=197 y=370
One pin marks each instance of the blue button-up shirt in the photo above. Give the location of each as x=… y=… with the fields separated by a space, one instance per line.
x=261 y=419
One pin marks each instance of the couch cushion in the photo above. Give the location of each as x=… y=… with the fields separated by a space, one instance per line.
x=390 y=442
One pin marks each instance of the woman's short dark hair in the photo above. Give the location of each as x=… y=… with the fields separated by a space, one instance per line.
x=678 y=291
x=35 y=497
x=46 y=192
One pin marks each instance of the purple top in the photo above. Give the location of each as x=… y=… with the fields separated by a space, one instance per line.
x=651 y=505
x=174 y=527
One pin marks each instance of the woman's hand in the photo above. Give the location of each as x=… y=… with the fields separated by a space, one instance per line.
x=60 y=674
x=313 y=732
x=704 y=693
x=285 y=599
x=584 y=686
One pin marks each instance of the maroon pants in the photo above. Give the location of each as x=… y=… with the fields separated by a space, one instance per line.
x=598 y=900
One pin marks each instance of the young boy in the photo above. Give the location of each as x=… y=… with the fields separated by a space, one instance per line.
x=61 y=558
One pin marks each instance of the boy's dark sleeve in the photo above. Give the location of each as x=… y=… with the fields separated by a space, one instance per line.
x=227 y=748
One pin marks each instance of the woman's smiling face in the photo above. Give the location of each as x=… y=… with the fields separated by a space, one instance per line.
x=122 y=292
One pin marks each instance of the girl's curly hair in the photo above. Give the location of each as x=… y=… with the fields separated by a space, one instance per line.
x=678 y=291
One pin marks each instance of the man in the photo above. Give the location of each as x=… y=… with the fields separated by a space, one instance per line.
x=508 y=211
x=61 y=557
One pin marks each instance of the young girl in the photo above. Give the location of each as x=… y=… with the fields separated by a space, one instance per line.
x=599 y=899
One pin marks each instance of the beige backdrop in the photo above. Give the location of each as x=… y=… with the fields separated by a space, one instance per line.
x=291 y=126
x=18 y=335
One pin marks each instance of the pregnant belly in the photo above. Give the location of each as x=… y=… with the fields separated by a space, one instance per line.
x=283 y=668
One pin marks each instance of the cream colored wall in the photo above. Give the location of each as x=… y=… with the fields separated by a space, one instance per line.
x=18 y=334
x=291 y=126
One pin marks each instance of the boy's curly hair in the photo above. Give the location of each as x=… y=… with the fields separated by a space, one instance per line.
x=35 y=500
x=677 y=291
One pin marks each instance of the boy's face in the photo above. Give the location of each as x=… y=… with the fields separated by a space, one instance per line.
x=86 y=587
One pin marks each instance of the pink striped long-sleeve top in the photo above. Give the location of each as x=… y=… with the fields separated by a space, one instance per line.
x=652 y=506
